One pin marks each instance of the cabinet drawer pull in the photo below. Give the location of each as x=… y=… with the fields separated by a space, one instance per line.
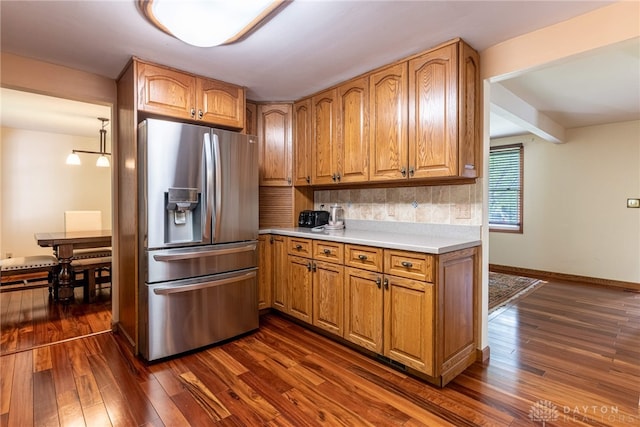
x=386 y=283
x=327 y=251
x=362 y=257
x=298 y=247
x=407 y=264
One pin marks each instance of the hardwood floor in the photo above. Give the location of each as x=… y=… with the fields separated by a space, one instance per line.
x=28 y=318
x=566 y=354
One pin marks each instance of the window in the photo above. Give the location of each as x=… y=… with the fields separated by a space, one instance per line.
x=505 y=188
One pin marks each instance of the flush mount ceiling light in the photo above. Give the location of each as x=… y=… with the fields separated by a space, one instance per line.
x=103 y=160
x=207 y=23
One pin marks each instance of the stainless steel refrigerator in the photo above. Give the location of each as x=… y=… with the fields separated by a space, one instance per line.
x=198 y=219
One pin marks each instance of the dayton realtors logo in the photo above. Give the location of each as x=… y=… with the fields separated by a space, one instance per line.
x=545 y=411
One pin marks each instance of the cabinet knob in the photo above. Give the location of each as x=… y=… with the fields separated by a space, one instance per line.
x=406 y=264
x=411 y=171
x=308 y=180
x=362 y=257
x=338 y=177
x=309 y=266
x=386 y=283
x=298 y=247
x=403 y=171
x=200 y=114
x=193 y=113
x=333 y=177
x=289 y=180
x=314 y=267
x=327 y=251
x=378 y=282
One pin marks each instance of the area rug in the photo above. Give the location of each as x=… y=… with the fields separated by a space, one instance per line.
x=505 y=288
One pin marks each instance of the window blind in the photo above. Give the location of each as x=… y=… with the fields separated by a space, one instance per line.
x=505 y=187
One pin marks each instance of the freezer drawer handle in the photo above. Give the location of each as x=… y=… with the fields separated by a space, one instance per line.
x=190 y=288
x=213 y=252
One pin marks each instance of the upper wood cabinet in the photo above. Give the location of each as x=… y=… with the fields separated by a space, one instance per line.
x=443 y=113
x=168 y=92
x=274 y=139
x=340 y=123
x=251 y=118
x=302 y=142
x=324 y=113
x=415 y=119
x=351 y=156
x=388 y=115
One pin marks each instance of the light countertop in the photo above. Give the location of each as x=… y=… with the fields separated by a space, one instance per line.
x=425 y=238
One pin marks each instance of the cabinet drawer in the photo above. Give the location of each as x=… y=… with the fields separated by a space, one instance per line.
x=412 y=265
x=365 y=257
x=328 y=251
x=299 y=247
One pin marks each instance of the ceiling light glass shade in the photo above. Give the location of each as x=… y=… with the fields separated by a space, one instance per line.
x=102 y=162
x=206 y=23
x=73 y=159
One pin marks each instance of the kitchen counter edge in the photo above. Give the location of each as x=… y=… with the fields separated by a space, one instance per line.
x=407 y=242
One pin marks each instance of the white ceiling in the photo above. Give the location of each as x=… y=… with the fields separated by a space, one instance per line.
x=311 y=45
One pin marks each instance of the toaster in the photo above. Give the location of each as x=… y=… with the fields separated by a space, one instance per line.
x=311 y=219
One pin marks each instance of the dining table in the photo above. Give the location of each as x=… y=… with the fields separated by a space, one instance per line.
x=63 y=244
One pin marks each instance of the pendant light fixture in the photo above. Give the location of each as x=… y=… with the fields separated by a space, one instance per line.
x=207 y=23
x=103 y=160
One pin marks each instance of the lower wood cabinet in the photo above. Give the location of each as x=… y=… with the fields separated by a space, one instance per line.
x=300 y=281
x=417 y=309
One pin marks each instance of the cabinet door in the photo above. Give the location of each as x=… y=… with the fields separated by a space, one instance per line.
x=265 y=271
x=363 y=308
x=408 y=322
x=302 y=142
x=323 y=111
x=251 y=119
x=220 y=103
x=433 y=114
x=280 y=299
x=351 y=156
x=300 y=288
x=388 y=115
x=166 y=92
x=274 y=137
x=328 y=297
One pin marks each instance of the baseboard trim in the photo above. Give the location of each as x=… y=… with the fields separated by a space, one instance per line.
x=483 y=354
x=548 y=275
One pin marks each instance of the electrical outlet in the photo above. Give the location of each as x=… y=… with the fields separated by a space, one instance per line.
x=633 y=203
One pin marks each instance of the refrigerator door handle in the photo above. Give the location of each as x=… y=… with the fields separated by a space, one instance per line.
x=189 y=288
x=213 y=252
x=206 y=230
x=218 y=188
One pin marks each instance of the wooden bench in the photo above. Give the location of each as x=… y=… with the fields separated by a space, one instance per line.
x=20 y=266
x=89 y=267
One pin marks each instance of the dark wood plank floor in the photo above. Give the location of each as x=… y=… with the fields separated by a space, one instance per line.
x=564 y=355
x=29 y=318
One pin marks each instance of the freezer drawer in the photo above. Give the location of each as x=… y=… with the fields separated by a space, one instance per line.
x=176 y=264
x=190 y=314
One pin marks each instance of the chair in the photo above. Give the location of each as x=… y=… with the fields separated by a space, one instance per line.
x=88 y=262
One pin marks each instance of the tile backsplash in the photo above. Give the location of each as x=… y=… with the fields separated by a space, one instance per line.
x=446 y=204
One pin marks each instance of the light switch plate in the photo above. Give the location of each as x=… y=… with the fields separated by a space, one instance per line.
x=633 y=203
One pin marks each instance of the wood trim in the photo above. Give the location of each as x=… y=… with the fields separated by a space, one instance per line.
x=549 y=275
x=415 y=182
x=483 y=354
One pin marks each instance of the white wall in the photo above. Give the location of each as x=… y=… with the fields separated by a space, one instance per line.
x=37 y=186
x=575 y=216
